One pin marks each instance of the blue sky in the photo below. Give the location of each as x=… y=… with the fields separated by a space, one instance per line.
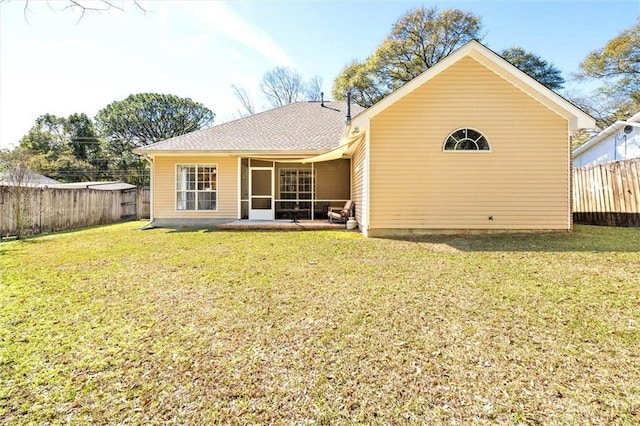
x=51 y=63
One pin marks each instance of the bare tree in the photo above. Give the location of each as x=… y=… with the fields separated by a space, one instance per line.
x=84 y=6
x=17 y=178
x=314 y=88
x=245 y=100
x=606 y=105
x=282 y=86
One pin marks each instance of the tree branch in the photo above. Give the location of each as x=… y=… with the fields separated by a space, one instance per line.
x=102 y=6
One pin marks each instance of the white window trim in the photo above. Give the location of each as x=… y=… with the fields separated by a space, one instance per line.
x=466 y=150
x=175 y=187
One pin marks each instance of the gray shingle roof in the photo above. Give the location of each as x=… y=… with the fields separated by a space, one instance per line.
x=300 y=126
x=28 y=178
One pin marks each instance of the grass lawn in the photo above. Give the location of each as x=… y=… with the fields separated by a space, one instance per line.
x=120 y=326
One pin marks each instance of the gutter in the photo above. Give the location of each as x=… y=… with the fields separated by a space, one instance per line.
x=236 y=153
x=150 y=160
x=602 y=135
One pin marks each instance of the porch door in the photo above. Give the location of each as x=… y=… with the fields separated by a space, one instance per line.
x=261 y=205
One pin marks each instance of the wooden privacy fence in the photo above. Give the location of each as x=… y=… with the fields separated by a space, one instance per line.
x=607 y=194
x=54 y=209
x=135 y=203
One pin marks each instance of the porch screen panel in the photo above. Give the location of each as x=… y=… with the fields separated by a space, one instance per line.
x=296 y=184
x=305 y=185
x=261 y=182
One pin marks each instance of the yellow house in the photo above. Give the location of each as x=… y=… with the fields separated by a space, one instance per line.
x=473 y=143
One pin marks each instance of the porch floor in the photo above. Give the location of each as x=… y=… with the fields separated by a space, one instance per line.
x=283 y=225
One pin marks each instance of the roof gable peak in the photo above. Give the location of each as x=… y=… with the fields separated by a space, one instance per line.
x=501 y=67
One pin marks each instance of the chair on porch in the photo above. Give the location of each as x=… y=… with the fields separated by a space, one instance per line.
x=340 y=214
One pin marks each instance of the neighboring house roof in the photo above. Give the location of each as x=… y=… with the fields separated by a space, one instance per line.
x=297 y=127
x=30 y=178
x=494 y=62
x=596 y=140
x=104 y=186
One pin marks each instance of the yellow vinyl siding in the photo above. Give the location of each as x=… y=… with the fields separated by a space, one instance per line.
x=164 y=187
x=523 y=182
x=358 y=181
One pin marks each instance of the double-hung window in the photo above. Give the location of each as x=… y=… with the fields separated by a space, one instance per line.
x=196 y=187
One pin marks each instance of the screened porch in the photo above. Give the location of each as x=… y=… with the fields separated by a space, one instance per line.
x=271 y=190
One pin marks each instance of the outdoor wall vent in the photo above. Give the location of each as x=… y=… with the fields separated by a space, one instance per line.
x=628 y=129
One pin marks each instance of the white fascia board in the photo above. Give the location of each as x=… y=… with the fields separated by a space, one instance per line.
x=634 y=118
x=263 y=154
x=577 y=118
x=412 y=85
x=594 y=141
x=474 y=49
x=598 y=138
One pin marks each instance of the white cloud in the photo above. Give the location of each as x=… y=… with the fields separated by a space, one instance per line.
x=218 y=17
x=197 y=50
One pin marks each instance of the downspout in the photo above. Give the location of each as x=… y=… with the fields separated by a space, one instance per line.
x=151 y=206
x=367 y=182
x=347 y=130
x=570 y=182
x=239 y=192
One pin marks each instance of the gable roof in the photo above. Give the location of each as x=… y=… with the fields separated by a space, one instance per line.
x=500 y=66
x=297 y=127
x=28 y=178
x=596 y=140
x=102 y=186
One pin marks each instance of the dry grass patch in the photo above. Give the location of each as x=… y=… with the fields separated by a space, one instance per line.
x=115 y=325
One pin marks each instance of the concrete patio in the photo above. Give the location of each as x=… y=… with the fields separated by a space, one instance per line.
x=282 y=225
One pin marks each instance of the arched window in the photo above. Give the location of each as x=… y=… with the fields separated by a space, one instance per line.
x=466 y=140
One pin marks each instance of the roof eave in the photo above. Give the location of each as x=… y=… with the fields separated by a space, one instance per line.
x=230 y=153
x=594 y=141
x=575 y=116
x=577 y=119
